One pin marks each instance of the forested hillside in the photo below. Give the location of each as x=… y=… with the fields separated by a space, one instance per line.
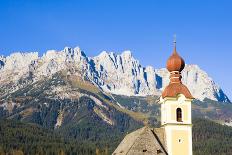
x=210 y=138
x=19 y=138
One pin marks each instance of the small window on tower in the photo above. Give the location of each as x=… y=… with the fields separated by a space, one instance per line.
x=179 y=115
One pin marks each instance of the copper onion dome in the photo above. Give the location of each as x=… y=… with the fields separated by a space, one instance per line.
x=175 y=65
x=175 y=62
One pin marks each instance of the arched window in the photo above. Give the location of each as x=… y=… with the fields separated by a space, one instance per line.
x=179 y=115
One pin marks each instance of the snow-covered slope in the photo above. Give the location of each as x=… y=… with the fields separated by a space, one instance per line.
x=118 y=74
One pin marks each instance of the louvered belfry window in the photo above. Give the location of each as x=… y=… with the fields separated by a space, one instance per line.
x=179 y=115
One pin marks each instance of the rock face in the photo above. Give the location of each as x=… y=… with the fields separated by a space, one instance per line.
x=117 y=74
x=122 y=74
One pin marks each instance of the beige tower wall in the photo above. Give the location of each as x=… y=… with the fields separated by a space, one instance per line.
x=179 y=139
x=178 y=134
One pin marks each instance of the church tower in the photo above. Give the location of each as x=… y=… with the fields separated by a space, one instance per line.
x=176 y=109
x=175 y=135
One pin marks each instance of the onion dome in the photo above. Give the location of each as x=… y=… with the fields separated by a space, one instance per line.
x=175 y=65
x=175 y=62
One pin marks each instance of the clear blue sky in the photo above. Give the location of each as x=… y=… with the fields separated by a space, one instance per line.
x=146 y=27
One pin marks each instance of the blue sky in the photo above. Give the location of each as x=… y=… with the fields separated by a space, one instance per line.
x=146 y=27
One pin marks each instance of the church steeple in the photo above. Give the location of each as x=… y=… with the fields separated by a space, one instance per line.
x=175 y=64
x=176 y=114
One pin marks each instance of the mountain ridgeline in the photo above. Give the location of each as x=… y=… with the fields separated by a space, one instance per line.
x=116 y=74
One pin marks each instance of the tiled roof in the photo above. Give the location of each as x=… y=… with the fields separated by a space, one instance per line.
x=144 y=141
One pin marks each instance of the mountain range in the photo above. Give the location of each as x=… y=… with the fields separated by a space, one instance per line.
x=120 y=74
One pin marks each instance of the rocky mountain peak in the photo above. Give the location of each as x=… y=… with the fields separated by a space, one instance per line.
x=127 y=54
x=17 y=61
x=114 y=73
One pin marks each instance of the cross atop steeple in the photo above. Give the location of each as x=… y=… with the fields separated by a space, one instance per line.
x=174 y=42
x=174 y=39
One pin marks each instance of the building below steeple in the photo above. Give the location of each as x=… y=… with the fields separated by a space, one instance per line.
x=143 y=141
